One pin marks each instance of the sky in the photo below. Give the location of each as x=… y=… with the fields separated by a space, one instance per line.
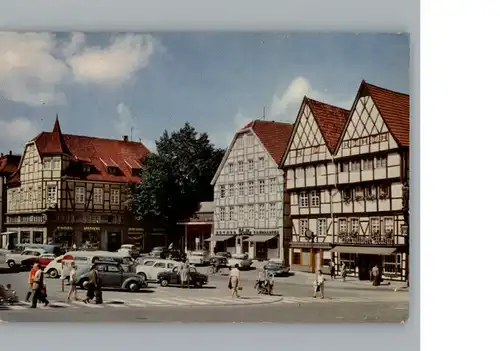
x=114 y=84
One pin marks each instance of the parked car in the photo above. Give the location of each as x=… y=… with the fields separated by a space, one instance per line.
x=159 y=251
x=223 y=254
x=113 y=276
x=16 y=259
x=130 y=250
x=173 y=277
x=150 y=268
x=42 y=260
x=278 y=269
x=198 y=257
x=241 y=260
x=175 y=255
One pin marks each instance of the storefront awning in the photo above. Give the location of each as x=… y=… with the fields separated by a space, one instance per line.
x=8 y=233
x=368 y=250
x=260 y=238
x=220 y=238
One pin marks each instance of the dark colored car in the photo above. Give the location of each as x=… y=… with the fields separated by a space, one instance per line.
x=113 y=276
x=277 y=269
x=196 y=279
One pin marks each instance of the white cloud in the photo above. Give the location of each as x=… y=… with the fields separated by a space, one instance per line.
x=114 y=64
x=124 y=124
x=15 y=132
x=34 y=65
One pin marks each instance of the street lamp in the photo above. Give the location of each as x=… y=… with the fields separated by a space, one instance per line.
x=310 y=236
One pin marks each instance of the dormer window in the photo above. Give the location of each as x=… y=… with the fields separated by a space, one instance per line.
x=87 y=169
x=113 y=170
x=135 y=167
x=136 y=172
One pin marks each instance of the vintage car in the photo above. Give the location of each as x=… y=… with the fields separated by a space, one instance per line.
x=150 y=267
x=241 y=260
x=278 y=269
x=198 y=258
x=130 y=250
x=42 y=260
x=113 y=276
x=159 y=251
x=196 y=279
x=17 y=258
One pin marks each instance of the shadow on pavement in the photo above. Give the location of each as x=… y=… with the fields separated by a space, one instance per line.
x=6 y=270
x=142 y=291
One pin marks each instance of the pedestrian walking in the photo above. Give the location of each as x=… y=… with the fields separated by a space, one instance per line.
x=30 y=281
x=184 y=273
x=91 y=284
x=39 y=289
x=343 y=271
x=332 y=269
x=376 y=275
x=72 y=282
x=234 y=281
x=319 y=284
x=98 y=287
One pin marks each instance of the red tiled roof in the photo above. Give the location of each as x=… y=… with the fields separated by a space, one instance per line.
x=273 y=135
x=395 y=110
x=9 y=164
x=98 y=152
x=330 y=120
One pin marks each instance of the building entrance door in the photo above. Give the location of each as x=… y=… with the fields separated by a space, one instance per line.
x=114 y=241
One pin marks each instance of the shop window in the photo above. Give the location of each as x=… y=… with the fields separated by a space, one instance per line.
x=349 y=259
x=296 y=258
x=305 y=257
x=392 y=264
x=25 y=237
x=38 y=237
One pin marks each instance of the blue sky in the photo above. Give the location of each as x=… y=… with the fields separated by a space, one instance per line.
x=104 y=84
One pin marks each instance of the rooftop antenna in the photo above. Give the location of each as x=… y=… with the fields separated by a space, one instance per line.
x=264 y=113
x=131 y=131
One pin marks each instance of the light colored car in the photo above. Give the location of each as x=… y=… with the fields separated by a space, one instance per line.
x=241 y=260
x=150 y=268
x=130 y=250
x=16 y=259
x=198 y=257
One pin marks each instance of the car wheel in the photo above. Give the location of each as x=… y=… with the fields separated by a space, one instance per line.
x=142 y=275
x=164 y=283
x=133 y=287
x=53 y=273
x=84 y=284
x=197 y=284
x=11 y=264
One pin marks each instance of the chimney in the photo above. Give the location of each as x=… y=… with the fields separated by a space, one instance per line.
x=10 y=152
x=125 y=138
x=1 y=155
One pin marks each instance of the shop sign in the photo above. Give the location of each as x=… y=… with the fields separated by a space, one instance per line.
x=92 y=229
x=64 y=228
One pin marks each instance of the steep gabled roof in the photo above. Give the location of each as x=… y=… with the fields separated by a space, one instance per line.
x=52 y=142
x=273 y=135
x=9 y=164
x=395 y=110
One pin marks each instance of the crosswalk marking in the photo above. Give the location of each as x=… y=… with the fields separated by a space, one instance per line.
x=185 y=301
x=89 y=305
x=170 y=302
x=148 y=302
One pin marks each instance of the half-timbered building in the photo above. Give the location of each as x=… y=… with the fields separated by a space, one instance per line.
x=310 y=181
x=248 y=192
x=71 y=190
x=370 y=208
x=8 y=165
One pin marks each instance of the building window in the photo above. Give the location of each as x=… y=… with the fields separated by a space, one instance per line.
x=304 y=199
x=381 y=162
x=367 y=164
x=355 y=225
x=392 y=264
x=241 y=189
x=47 y=164
x=115 y=196
x=230 y=168
x=250 y=188
x=241 y=167
x=222 y=214
x=371 y=192
x=241 y=213
x=250 y=165
x=375 y=225
x=354 y=166
x=383 y=191
x=222 y=191
x=343 y=225
x=272 y=210
x=56 y=163
x=272 y=185
x=30 y=195
x=314 y=198
x=231 y=190
x=80 y=194
x=303 y=226
x=231 y=213
x=358 y=193
x=51 y=194
x=262 y=186
x=98 y=196
x=322 y=226
x=389 y=225
x=250 y=212
x=346 y=194
x=262 y=163
x=262 y=211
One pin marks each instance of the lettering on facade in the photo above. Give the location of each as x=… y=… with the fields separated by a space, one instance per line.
x=247 y=231
x=92 y=229
x=366 y=240
x=89 y=218
x=29 y=219
x=366 y=140
x=64 y=228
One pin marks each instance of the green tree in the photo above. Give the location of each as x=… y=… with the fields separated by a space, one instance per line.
x=176 y=179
